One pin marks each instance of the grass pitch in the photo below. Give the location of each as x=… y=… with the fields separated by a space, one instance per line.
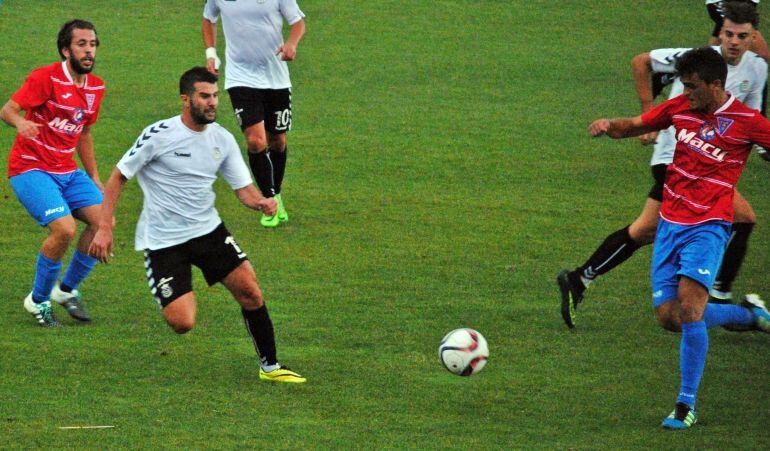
x=440 y=174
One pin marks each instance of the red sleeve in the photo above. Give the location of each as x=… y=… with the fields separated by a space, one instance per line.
x=35 y=90
x=659 y=117
x=759 y=131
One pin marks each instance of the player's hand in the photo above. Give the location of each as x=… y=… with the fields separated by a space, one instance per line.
x=763 y=153
x=599 y=127
x=212 y=65
x=649 y=138
x=286 y=52
x=268 y=206
x=28 y=129
x=101 y=246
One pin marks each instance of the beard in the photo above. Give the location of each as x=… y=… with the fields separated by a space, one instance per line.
x=77 y=67
x=199 y=115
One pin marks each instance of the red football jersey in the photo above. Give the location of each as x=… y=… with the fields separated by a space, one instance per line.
x=50 y=98
x=711 y=152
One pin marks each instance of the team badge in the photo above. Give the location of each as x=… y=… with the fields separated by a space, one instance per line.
x=707 y=131
x=744 y=86
x=90 y=98
x=217 y=153
x=77 y=116
x=723 y=124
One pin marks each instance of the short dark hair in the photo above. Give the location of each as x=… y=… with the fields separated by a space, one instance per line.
x=64 y=39
x=741 y=12
x=195 y=75
x=705 y=62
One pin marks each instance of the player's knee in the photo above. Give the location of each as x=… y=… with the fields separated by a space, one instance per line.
x=65 y=233
x=745 y=216
x=250 y=298
x=182 y=326
x=256 y=143
x=642 y=234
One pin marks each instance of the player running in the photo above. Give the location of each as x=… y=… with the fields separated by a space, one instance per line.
x=714 y=134
x=746 y=79
x=62 y=103
x=176 y=161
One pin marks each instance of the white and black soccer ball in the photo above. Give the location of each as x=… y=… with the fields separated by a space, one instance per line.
x=463 y=352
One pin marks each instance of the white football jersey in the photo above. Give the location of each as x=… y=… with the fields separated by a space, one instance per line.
x=253 y=33
x=746 y=81
x=176 y=167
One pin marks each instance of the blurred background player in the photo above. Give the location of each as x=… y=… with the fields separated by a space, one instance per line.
x=746 y=79
x=176 y=162
x=257 y=79
x=716 y=10
x=62 y=102
x=714 y=133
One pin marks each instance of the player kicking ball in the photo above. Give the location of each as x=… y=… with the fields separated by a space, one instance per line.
x=715 y=133
x=176 y=161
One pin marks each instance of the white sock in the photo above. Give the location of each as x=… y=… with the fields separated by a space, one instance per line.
x=269 y=368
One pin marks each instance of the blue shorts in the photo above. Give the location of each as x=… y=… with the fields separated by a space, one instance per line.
x=49 y=196
x=694 y=251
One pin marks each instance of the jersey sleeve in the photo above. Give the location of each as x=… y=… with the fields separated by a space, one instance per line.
x=142 y=152
x=290 y=11
x=660 y=117
x=211 y=11
x=233 y=169
x=760 y=131
x=35 y=91
x=664 y=60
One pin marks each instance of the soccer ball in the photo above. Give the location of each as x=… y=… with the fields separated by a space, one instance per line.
x=463 y=352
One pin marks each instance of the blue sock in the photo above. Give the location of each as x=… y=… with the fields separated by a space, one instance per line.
x=79 y=268
x=692 y=360
x=46 y=272
x=726 y=314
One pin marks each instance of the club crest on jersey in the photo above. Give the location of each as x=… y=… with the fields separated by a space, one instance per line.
x=77 y=116
x=217 y=153
x=723 y=124
x=90 y=98
x=707 y=131
x=701 y=146
x=744 y=86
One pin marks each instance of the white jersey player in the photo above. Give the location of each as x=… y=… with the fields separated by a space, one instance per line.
x=257 y=80
x=176 y=162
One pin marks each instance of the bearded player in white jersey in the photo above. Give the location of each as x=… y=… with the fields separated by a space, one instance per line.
x=176 y=162
x=746 y=80
x=257 y=79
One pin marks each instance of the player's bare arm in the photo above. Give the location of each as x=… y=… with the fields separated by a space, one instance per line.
x=625 y=127
x=641 y=66
x=288 y=50
x=252 y=198
x=101 y=245
x=11 y=115
x=759 y=46
x=209 y=33
x=85 y=150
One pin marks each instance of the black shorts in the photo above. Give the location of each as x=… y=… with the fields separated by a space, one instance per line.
x=659 y=174
x=169 y=270
x=252 y=106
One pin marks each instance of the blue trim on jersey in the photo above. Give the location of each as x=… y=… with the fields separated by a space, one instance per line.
x=49 y=196
x=694 y=251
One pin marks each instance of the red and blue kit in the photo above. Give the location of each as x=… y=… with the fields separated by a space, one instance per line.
x=711 y=152
x=51 y=99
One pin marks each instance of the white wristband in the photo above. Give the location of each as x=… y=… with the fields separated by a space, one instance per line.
x=211 y=53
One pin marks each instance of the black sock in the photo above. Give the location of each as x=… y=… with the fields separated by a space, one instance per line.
x=734 y=254
x=65 y=288
x=615 y=249
x=262 y=168
x=260 y=329
x=279 y=162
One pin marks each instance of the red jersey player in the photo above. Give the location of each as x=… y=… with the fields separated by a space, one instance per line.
x=61 y=102
x=715 y=133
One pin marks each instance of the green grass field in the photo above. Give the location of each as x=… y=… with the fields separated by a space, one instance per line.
x=440 y=174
